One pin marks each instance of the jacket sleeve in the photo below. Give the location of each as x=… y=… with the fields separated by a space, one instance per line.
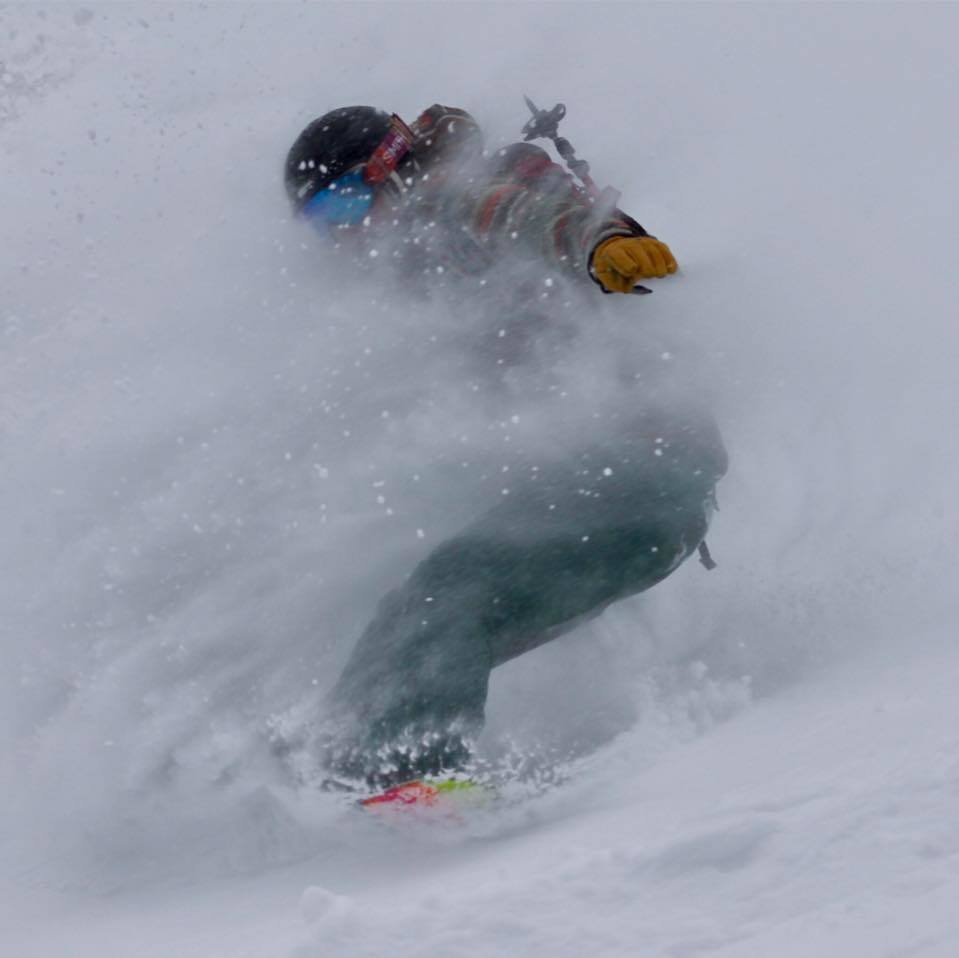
x=532 y=201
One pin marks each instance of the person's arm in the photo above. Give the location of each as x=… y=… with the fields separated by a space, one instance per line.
x=531 y=201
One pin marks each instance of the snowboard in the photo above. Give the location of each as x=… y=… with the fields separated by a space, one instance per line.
x=447 y=799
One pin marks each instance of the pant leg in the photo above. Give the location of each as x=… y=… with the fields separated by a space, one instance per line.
x=568 y=541
x=413 y=692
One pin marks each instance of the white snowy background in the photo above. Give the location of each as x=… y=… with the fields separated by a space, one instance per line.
x=206 y=485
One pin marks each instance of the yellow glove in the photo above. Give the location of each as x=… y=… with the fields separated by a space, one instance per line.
x=621 y=262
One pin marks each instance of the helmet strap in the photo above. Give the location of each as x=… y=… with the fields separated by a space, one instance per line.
x=389 y=154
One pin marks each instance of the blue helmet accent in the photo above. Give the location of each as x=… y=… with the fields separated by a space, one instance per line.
x=345 y=202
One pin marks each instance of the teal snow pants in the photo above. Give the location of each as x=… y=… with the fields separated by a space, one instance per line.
x=573 y=537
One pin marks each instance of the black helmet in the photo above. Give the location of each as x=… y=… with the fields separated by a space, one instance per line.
x=329 y=147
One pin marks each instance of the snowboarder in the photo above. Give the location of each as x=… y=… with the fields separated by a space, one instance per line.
x=412 y=695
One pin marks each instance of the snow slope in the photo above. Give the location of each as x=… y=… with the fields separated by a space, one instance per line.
x=208 y=483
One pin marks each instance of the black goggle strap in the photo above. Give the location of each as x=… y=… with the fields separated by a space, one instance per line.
x=389 y=154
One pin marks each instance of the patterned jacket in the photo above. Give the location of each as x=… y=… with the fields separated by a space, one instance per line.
x=469 y=214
